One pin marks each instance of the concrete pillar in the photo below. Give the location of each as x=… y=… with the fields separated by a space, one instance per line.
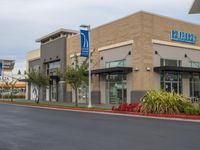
x=61 y=91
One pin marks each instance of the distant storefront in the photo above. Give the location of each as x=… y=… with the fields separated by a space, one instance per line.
x=10 y=82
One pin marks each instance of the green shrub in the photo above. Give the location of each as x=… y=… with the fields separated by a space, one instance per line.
x=8 y=96
x=164 y=102
x=192 y=111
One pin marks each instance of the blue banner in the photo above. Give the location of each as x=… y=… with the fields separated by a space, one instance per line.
x=1 y=67
x=85 y=43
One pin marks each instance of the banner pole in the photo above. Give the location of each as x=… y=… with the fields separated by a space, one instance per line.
x=89 y=96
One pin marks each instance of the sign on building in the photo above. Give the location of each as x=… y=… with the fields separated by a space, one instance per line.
x=84 y=43
x=183 y=37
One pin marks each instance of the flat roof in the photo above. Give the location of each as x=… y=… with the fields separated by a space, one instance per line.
x=61 y=30
x=195 y=7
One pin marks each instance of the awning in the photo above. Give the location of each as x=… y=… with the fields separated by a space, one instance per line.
x=176 y=69
x=124 y=70
x=195 y=7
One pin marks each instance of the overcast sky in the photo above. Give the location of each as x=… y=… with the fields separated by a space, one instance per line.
x=23 y=21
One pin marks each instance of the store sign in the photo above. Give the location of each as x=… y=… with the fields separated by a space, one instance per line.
x=183 y=37
x=84 y=43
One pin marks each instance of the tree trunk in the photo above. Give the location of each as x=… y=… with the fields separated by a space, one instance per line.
x=11 y=95
x=76 y=97
x=38 y=96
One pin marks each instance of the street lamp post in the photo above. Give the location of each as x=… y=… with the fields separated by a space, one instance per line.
x=89 y=67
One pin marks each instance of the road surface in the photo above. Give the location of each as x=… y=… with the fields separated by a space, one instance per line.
x=25 y=128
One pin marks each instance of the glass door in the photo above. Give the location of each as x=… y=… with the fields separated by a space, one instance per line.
x=171 y=82
x=168 y=87
x=116 y=90
x=54 y=93
x=172 y=87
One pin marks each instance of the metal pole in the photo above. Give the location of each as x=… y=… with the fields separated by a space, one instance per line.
x=89 y=70
x=2 y=71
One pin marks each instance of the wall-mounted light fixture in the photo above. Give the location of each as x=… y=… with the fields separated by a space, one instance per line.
x=136 y=69
x=185 y=55
x=148 y=69
x=156 y=52
x=101 y=57
x=129 y=53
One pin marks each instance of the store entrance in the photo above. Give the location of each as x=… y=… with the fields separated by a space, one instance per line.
x=54 y=91
x=171 y=82
x=172 y=87
x=116 y=89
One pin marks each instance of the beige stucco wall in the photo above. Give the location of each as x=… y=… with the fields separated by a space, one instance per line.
x=32 y=55
x=141 y=27
x=114 y=54
x=122 y=30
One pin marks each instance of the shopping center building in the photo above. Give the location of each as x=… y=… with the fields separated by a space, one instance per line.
x=10 y=81
x=130 y=56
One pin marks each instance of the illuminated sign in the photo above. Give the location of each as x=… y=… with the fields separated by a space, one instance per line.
x=183 y=37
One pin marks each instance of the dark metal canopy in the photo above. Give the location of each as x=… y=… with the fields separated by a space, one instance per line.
x=176 y=69
x=195 y=7
x=125 y=70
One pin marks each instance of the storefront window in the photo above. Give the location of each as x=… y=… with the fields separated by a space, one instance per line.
x=116 y=89
x=54 y=65
x=170 y=62
x=52 y=68
x=118 y=63
x=83 y=94
x=195 y=64
x=195 y=86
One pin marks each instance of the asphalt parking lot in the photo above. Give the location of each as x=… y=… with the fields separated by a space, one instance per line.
x=25 y=128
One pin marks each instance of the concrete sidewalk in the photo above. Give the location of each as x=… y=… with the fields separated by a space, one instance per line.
x=106 y=106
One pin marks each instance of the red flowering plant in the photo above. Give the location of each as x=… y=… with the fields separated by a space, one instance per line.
x=135 y=107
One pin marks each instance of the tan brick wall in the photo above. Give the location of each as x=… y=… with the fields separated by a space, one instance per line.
x=141 y=27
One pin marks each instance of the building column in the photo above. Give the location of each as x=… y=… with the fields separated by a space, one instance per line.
x=61 y=91
x=95 y=92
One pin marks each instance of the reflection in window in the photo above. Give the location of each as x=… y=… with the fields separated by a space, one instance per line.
x=118 y=63
x=195 y=64
x=170 y=62
x=195 y=85
x=53 y=67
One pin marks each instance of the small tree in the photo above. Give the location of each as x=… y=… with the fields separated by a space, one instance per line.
x=10 y=85
x=38 y=79
x=76 y=76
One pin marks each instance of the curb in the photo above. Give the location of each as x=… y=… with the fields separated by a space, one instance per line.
x=173 y=117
